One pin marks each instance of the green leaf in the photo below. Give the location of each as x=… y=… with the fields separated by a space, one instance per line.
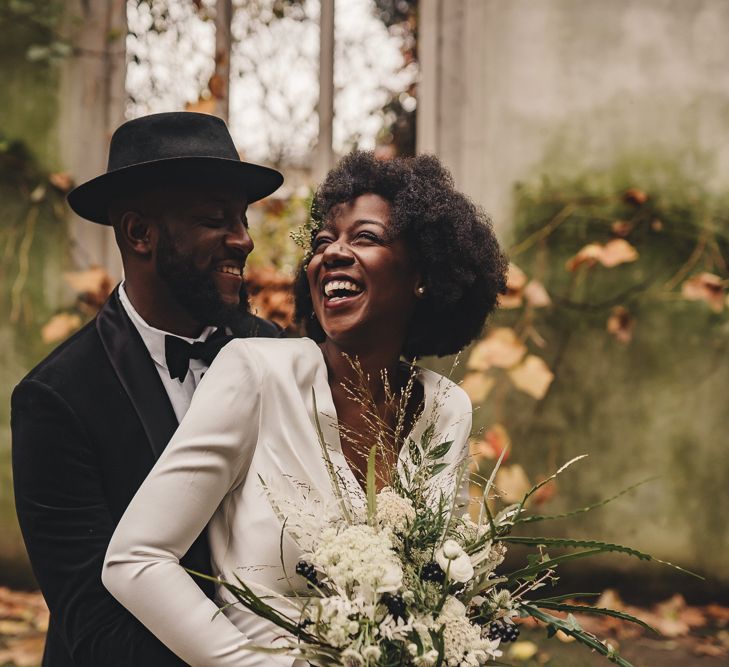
x=414 y=451
x=597 y=611
x=371 y=486
x=594 y=545
x=560 y=470
x=549 y=564
x=582 y=510
x=554 y=624
x=435 y=469
x=440 y=451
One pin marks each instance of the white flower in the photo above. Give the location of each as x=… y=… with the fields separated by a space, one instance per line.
x=427 y=660
x=359 y=558
x=332 y=615
x=371 y=653
x=350 y=658
x=394 y=511
x=462 y=640
x=451 y=549
x=453 y=608
x=457 y=565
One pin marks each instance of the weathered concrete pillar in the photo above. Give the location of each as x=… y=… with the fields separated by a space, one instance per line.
x=92 y=99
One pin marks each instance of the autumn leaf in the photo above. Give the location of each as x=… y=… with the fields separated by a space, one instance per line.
x=613 y=253
x=203 y=105
x=91 y=281
x=477 y=386
x=216 y=85
x=620 y=324
x=545 y=493
x=493 y=442
x=61 y=180
x=705 y=287
x=536 y=295
x=501 y=349
x=589 y=255
x=23 y=652
x=516 y=279
x=617 y=251
x=621 y=228
x=60 y=327
x=635 y=196
x=532 y=376
x=512 y=483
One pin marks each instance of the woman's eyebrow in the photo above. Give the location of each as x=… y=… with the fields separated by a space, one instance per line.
x=367 y=221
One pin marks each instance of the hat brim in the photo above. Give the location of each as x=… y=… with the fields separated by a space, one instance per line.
x=91 y=200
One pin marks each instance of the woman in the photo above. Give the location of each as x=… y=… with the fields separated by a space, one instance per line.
x=400 y=264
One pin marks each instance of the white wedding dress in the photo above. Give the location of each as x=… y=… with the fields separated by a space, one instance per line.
x=251 y=419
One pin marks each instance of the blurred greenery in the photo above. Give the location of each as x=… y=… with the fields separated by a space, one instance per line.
x=643 y=407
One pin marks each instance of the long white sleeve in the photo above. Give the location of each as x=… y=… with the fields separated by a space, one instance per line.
x=209 y=454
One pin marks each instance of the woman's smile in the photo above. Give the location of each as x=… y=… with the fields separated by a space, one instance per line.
x=362 y=281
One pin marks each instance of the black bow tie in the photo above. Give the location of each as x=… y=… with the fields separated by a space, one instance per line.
x=178 y=352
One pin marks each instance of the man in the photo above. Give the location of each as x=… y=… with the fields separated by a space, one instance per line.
x=90 y=420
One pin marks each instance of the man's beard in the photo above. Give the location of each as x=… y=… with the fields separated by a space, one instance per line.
x=195 y=290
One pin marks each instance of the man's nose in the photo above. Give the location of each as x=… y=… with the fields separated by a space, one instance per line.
x=239 y=238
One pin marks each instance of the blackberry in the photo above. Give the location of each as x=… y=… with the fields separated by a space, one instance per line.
x=395 y=604
x=308 y=571
x=507 y=632
x=432 y=572
x=494 y=630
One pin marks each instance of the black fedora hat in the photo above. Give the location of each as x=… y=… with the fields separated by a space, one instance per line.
x=175 y=148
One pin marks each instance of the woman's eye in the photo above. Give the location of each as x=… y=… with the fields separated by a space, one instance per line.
x=369 y=236
x=320 y=241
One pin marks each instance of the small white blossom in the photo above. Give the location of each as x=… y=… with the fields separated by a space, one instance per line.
x=371 y=653
x=462 y=642
x=394 y=511
x=427 y=659
x=359 y=558
x=453 y=608
x=350 y=658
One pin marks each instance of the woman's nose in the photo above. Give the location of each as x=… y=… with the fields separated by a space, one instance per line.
x=336 y=254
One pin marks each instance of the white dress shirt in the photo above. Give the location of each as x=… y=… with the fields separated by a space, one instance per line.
x=252 y=418
x=180 y=393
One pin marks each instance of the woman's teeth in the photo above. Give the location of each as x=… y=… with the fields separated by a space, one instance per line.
x=339 y=289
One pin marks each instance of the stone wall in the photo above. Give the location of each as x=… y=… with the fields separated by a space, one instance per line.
x=515 y=89
x=620 y=93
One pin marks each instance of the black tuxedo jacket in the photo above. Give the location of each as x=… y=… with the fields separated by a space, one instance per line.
x=88 y=423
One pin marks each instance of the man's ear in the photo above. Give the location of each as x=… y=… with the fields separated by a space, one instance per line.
x=138 y=232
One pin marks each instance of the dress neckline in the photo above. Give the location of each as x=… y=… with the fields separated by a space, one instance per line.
x=329 y=422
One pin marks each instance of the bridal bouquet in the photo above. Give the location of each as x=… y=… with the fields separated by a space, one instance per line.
x=411 y=577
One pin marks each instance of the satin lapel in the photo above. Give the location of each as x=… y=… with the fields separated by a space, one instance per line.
x=136 y=372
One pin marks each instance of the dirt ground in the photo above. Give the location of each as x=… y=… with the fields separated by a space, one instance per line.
x=690 y=635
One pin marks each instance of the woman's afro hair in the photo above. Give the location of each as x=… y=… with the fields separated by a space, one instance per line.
x=453 y=243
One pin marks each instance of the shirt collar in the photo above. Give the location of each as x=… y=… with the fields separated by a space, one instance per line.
x=154 y=339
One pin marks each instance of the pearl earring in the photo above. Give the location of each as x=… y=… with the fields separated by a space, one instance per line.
x=420 y=291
